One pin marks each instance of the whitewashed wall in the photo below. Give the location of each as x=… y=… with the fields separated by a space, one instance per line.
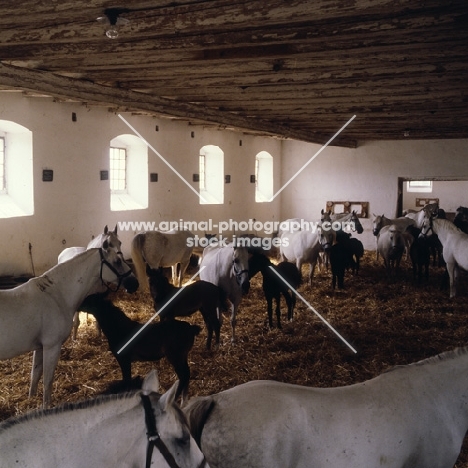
x=368 y=173
x=76 y=204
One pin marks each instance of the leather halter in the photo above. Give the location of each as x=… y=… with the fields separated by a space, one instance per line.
x=111 y=268
x=154 y=439
x=429 y=229
x=238 y=273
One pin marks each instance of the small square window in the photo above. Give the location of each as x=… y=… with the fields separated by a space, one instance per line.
x=419 y=186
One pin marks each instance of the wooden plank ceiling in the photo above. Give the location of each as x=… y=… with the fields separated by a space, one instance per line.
x=288 y=68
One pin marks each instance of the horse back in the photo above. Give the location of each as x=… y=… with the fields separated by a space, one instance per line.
x=303 y=245
x=290 y=273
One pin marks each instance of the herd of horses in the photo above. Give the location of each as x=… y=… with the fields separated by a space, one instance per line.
x=352 y=426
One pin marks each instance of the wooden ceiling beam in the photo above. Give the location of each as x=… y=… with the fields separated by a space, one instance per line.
x=54 y=85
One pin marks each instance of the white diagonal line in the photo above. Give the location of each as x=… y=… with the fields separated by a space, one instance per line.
x=181 y=177
x=313 y=310
x=159 y=311
x=312 y=158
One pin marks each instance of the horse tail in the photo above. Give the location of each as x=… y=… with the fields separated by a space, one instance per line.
x=138 y=259
x=197 y=412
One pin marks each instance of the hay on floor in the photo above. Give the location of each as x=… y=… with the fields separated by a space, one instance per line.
x=387 y=322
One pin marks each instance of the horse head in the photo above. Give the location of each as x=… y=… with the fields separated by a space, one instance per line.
x=158 y=283
x=110 y=237
x=240 y=266
x=427 y=225
x=326 y=216
x=397 y=243
x=115 y=270
x=356 y=224
x=377 y=224
x=326 y=237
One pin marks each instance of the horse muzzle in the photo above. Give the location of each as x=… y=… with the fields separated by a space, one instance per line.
x=130 y=283
x=245 y=287
x=374 y=231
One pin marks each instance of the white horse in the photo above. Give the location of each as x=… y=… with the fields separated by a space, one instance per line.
x=400 y=223
x=38 y=315
x=414 y=416
x=228 y=268
x=113 y=242
x=455 y=246
x=391 y=244
x=110 y=236
x=304 y=247
x=431 y=209
x=162 y=249
x=126 y=430
x=350 y=221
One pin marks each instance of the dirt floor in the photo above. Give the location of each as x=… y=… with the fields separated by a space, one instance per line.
x=387 y=322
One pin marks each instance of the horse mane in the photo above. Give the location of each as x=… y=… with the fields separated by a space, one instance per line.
x=445 y=356
x=65 y=407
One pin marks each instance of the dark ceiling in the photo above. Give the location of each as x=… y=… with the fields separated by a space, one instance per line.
x=288 y=68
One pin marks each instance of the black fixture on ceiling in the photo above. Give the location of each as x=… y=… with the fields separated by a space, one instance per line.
x=113 y=20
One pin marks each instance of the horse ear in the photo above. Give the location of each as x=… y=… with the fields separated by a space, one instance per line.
x=169 y=397
x=115 y=230
x=106 y=229
x=151 y=383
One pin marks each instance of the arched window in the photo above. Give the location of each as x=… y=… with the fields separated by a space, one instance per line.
x=211 y=169
x=16 y=170
x=263 y=177
x=128 y=164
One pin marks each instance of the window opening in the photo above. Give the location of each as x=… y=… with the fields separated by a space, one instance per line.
x=128 y=173
x=202 y=181
x=118 y=169
x=2 y=166
x=211 y=169
x=419 y=186
x=263 y=177
x=16 y=170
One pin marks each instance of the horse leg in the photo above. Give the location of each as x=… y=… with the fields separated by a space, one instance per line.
x=293 y=305
x=299 y=267
x=175 y=276
x=50 y=359
x=125 y=364
x=312 y=270
x=278 y=309
x=209 y=330
x=340 y=276
x=36 y=371
x=217 y=330
x=453 y=276
x=333 y=279
x=269 y=300
x=183 y=269
x=182 y=370
x=289 y=302
x=233 y=321
x=76 y=324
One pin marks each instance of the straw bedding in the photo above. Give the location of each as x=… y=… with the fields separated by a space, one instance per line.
x=387 y=322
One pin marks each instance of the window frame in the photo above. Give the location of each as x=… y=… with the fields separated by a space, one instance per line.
x=112 y=170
